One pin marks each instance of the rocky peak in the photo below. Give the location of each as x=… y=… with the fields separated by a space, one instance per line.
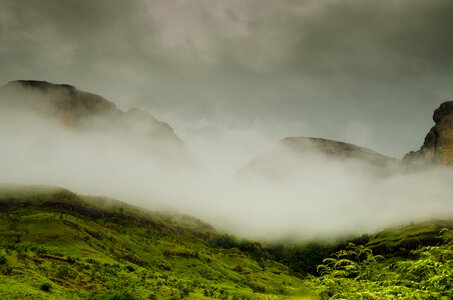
x=438 y=145
x=296 y=153
x=335 y=149
x=76 y=109
x=444 y=112
x=64 y=101
x=41 y=85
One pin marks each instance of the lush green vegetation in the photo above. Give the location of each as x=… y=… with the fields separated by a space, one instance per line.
x=356 y=273
x=55 y=244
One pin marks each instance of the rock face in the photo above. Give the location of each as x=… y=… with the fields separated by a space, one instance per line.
x=79 y=110
x=438 y=145
x=305 y=152
x=69 y=105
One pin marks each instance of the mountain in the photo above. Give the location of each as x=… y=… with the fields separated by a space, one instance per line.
x=438 y=145
x=79 y=110
x=293 y=153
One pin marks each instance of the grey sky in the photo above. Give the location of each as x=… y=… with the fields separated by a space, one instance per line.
x=366 y=72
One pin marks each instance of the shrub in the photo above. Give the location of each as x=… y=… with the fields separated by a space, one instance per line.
x=46 y=287
x=64 y=271
x=130 y=268
x=6 y=269
x=3 y=259
x=117 y=295
x=225 y=241
x=71 y=260
x=152 y=296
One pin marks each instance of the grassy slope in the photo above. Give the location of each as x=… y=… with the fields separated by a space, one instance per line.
x=409 y=237
x=82 y=247
x=55 y=244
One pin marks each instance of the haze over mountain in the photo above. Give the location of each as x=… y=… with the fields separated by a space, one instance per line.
x=90 y=113
x=246 y=72
x=249 y=140
x=57 y=135
x=294 y=153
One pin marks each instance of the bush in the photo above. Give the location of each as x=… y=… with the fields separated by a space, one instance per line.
x=130 y=268
x=6 y=269
x=64 y=271
x=225 y=241
x=46 y=287
x=71 y=260
x=3 y=259
x=152 y=296
x=117 y=295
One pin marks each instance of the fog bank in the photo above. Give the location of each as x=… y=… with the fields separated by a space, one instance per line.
x=318 y=196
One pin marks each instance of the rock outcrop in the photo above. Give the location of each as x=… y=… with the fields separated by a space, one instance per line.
x=69 y=105
x=438 y=145
x=79 y=110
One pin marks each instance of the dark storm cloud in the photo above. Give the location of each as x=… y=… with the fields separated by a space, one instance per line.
x=379 y=38
x=308 y=36
x=67 y=33
x=368 y=72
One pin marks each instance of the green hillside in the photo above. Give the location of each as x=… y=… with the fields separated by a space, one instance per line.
x=55 y=244
x=405 y=238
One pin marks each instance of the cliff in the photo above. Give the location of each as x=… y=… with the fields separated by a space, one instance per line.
x=438 y=145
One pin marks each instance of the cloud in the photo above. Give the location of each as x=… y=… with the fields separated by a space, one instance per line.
x=322 y=197
x=316 y=65
x=311 y=36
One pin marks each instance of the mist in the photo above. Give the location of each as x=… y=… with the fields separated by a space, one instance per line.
x=311 y=195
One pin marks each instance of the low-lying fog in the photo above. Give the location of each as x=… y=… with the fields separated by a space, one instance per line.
x=318 y=197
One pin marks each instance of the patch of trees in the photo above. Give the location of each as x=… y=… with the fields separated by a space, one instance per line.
x=301 y=258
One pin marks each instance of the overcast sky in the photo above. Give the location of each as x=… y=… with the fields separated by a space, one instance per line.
x=366 y=72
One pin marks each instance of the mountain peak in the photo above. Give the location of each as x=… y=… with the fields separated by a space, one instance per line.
x=336 y=149
x=76 y=109
x=437 y=147
x=294 y=152
x=445 y=111
x=40 y=84
x=325 y=145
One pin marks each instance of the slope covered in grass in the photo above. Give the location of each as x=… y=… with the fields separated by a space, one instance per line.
x=408 y=237
x=56 y=244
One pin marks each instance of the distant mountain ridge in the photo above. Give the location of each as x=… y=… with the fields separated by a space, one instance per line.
x=336 y=148
x=76 y=109
x=276 y=161
x=63 y=101
x=437 y=149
